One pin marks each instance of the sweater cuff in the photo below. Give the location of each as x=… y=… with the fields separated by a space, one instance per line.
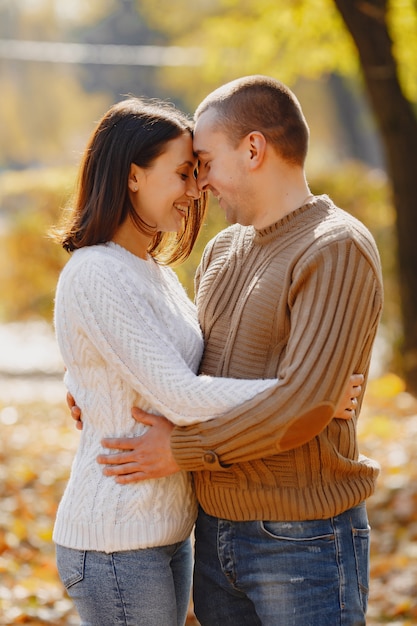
x=195 y=449
x=190 y=455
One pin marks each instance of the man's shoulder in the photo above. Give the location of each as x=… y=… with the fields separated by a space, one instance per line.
x=337 y=229
x=335 y=223
x=229 y=233
x=228 y=237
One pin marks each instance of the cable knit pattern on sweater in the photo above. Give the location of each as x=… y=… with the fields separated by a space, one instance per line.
x=299 y=300
x=129 y=336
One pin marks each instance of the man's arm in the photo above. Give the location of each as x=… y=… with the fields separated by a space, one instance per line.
x=335 y=301
x=150 y=456
x=285 y=419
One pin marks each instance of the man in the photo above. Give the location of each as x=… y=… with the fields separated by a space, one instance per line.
x=292 y=290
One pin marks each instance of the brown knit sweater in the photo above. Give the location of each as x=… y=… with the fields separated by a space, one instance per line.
x=299 y=300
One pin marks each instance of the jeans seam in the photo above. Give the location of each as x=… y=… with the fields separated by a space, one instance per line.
x=360 y=534
x=122 y=604
x=339 y=561
x=229 y=557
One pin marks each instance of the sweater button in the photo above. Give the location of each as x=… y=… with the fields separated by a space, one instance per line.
x=210 y=457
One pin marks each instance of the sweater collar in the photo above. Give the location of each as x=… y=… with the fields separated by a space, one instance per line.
x=286 y=223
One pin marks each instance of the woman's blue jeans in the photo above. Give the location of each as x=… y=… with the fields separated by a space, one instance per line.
x=311 y=573
x=149 y=587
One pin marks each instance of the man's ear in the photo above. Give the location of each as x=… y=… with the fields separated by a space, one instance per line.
x=257 y=148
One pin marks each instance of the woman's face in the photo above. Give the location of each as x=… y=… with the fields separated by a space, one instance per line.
x=162 y=193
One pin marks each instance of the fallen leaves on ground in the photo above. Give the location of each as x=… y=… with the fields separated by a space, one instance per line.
x=388 y=433
x=36 y=448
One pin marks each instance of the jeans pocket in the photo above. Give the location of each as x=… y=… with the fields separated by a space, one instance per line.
x=70 y=564
x=298 y=531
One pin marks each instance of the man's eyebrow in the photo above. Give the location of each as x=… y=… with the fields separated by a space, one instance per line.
x=200 y=152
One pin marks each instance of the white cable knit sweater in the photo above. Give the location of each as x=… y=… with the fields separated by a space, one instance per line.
x=129 y=336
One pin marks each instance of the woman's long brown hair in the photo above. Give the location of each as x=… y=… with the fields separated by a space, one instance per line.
x=132 y=131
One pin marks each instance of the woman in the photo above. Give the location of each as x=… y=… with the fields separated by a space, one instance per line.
x=129 y=336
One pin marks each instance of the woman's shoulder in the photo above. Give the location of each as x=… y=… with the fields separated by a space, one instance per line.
x=83 y=261
x=110 y=257
x=101 y=263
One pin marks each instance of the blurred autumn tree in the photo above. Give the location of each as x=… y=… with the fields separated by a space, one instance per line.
x=29 y=261
x=373 y=40
x=369 y=24
x=50 y=107
x=46 y=112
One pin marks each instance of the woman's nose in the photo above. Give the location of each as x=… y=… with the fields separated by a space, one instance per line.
x=192 y=189
x=201 y=181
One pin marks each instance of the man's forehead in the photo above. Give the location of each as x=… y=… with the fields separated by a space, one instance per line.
x=204 y=131
x=201 y=143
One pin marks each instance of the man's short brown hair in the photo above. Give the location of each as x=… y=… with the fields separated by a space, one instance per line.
x=264 y=104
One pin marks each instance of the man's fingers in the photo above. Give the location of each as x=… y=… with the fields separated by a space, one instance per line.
x=75 y=412
x=115 y=459
x=141 y=458
x=118 y=470
x=357 y=379
x=142 y=417
x=132 y=478
x=149 y=419
x=70 y=400
x=130 y=472
x=124 y=443
x=355 y=385
x=347 y=414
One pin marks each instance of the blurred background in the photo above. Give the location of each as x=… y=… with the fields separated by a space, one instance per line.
x=352 y=64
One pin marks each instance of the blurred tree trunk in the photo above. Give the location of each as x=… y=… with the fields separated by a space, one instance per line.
x=366 y=21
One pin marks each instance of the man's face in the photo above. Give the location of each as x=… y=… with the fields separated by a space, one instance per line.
x=222 y=168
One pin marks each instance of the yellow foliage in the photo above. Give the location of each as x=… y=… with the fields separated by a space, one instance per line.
x=58 y=124
x=403 y=20
x=288 y=40
x=386 y=387
x=30 y=262
x=379 y=426
x=19 y=529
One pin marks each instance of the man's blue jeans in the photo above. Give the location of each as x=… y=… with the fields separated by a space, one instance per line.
x=150 y=587
x=311 y=573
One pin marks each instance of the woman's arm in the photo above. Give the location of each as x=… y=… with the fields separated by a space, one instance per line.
x=119 y=319
x=150 y=456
